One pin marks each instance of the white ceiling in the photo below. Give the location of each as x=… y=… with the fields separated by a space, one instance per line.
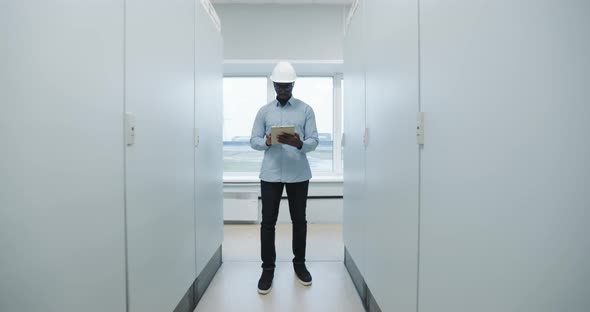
x=336 y=2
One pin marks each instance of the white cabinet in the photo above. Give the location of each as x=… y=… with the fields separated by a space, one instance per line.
x=62 y=224
x=491 y=213
x=77 y=186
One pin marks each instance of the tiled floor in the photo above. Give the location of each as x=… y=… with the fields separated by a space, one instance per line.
x=234 y=286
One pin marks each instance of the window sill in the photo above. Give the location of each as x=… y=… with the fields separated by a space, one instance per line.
x=319 y=186
x=255 y=179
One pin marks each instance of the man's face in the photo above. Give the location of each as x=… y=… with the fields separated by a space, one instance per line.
x=284 y=90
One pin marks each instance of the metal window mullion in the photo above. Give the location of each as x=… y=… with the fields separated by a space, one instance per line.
x=337 y=125
x=270 y=90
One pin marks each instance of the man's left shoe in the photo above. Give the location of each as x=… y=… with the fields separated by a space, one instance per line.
x=302 y=273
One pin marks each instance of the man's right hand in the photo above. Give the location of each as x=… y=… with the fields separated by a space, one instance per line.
x=268 y=141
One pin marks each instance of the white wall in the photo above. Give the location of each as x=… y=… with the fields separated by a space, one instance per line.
x=294 y=32
x=505 y=173
x=61 y=160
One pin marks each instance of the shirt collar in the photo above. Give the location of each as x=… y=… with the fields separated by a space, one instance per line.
x=289 y=102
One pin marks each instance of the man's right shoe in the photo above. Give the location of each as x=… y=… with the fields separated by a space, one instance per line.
x=265 y=282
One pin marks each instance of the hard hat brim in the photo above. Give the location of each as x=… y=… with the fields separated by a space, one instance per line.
x=282 y=80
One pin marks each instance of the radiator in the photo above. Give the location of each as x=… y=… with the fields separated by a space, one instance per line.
x=240 y=206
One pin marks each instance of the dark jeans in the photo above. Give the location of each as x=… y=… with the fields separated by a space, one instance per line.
x=271 y=199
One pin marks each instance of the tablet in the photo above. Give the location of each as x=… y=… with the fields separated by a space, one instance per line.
x=276 y=131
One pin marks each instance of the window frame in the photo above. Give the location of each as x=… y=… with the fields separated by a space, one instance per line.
x=337 y=165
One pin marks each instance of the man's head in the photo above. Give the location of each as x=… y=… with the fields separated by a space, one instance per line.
x=283 y=77
x=284 y=91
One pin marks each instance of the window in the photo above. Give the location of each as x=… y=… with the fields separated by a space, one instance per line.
x=243 y=97
x=318 y=92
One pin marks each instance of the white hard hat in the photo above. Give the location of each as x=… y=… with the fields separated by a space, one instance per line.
x=283 y=73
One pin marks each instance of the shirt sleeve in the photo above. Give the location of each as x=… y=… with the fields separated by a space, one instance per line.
x=310 y=137
x=258 y=137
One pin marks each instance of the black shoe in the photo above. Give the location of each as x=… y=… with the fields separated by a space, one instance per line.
x=302 y=274
x=265 y=282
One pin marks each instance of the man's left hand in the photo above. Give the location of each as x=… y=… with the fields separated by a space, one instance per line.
x=290 y=139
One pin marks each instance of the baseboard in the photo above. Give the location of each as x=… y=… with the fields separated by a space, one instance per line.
x=369 y=302
x=314 y=197
x=191 y=298
x=237 y=222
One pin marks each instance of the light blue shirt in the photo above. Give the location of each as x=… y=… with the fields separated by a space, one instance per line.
x=283 y=162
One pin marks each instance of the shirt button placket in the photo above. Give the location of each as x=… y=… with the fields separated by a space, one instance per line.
x=281 y=107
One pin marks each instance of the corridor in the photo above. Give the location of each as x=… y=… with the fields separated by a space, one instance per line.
x=438 y=150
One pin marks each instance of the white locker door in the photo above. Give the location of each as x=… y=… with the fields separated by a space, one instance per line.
x=505 y=173
x=160 y=165
x=209 y=121
x=392 y=172
x=354 y=214
x=62 y=228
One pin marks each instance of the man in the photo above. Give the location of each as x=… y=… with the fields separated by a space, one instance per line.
x=284 y=165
